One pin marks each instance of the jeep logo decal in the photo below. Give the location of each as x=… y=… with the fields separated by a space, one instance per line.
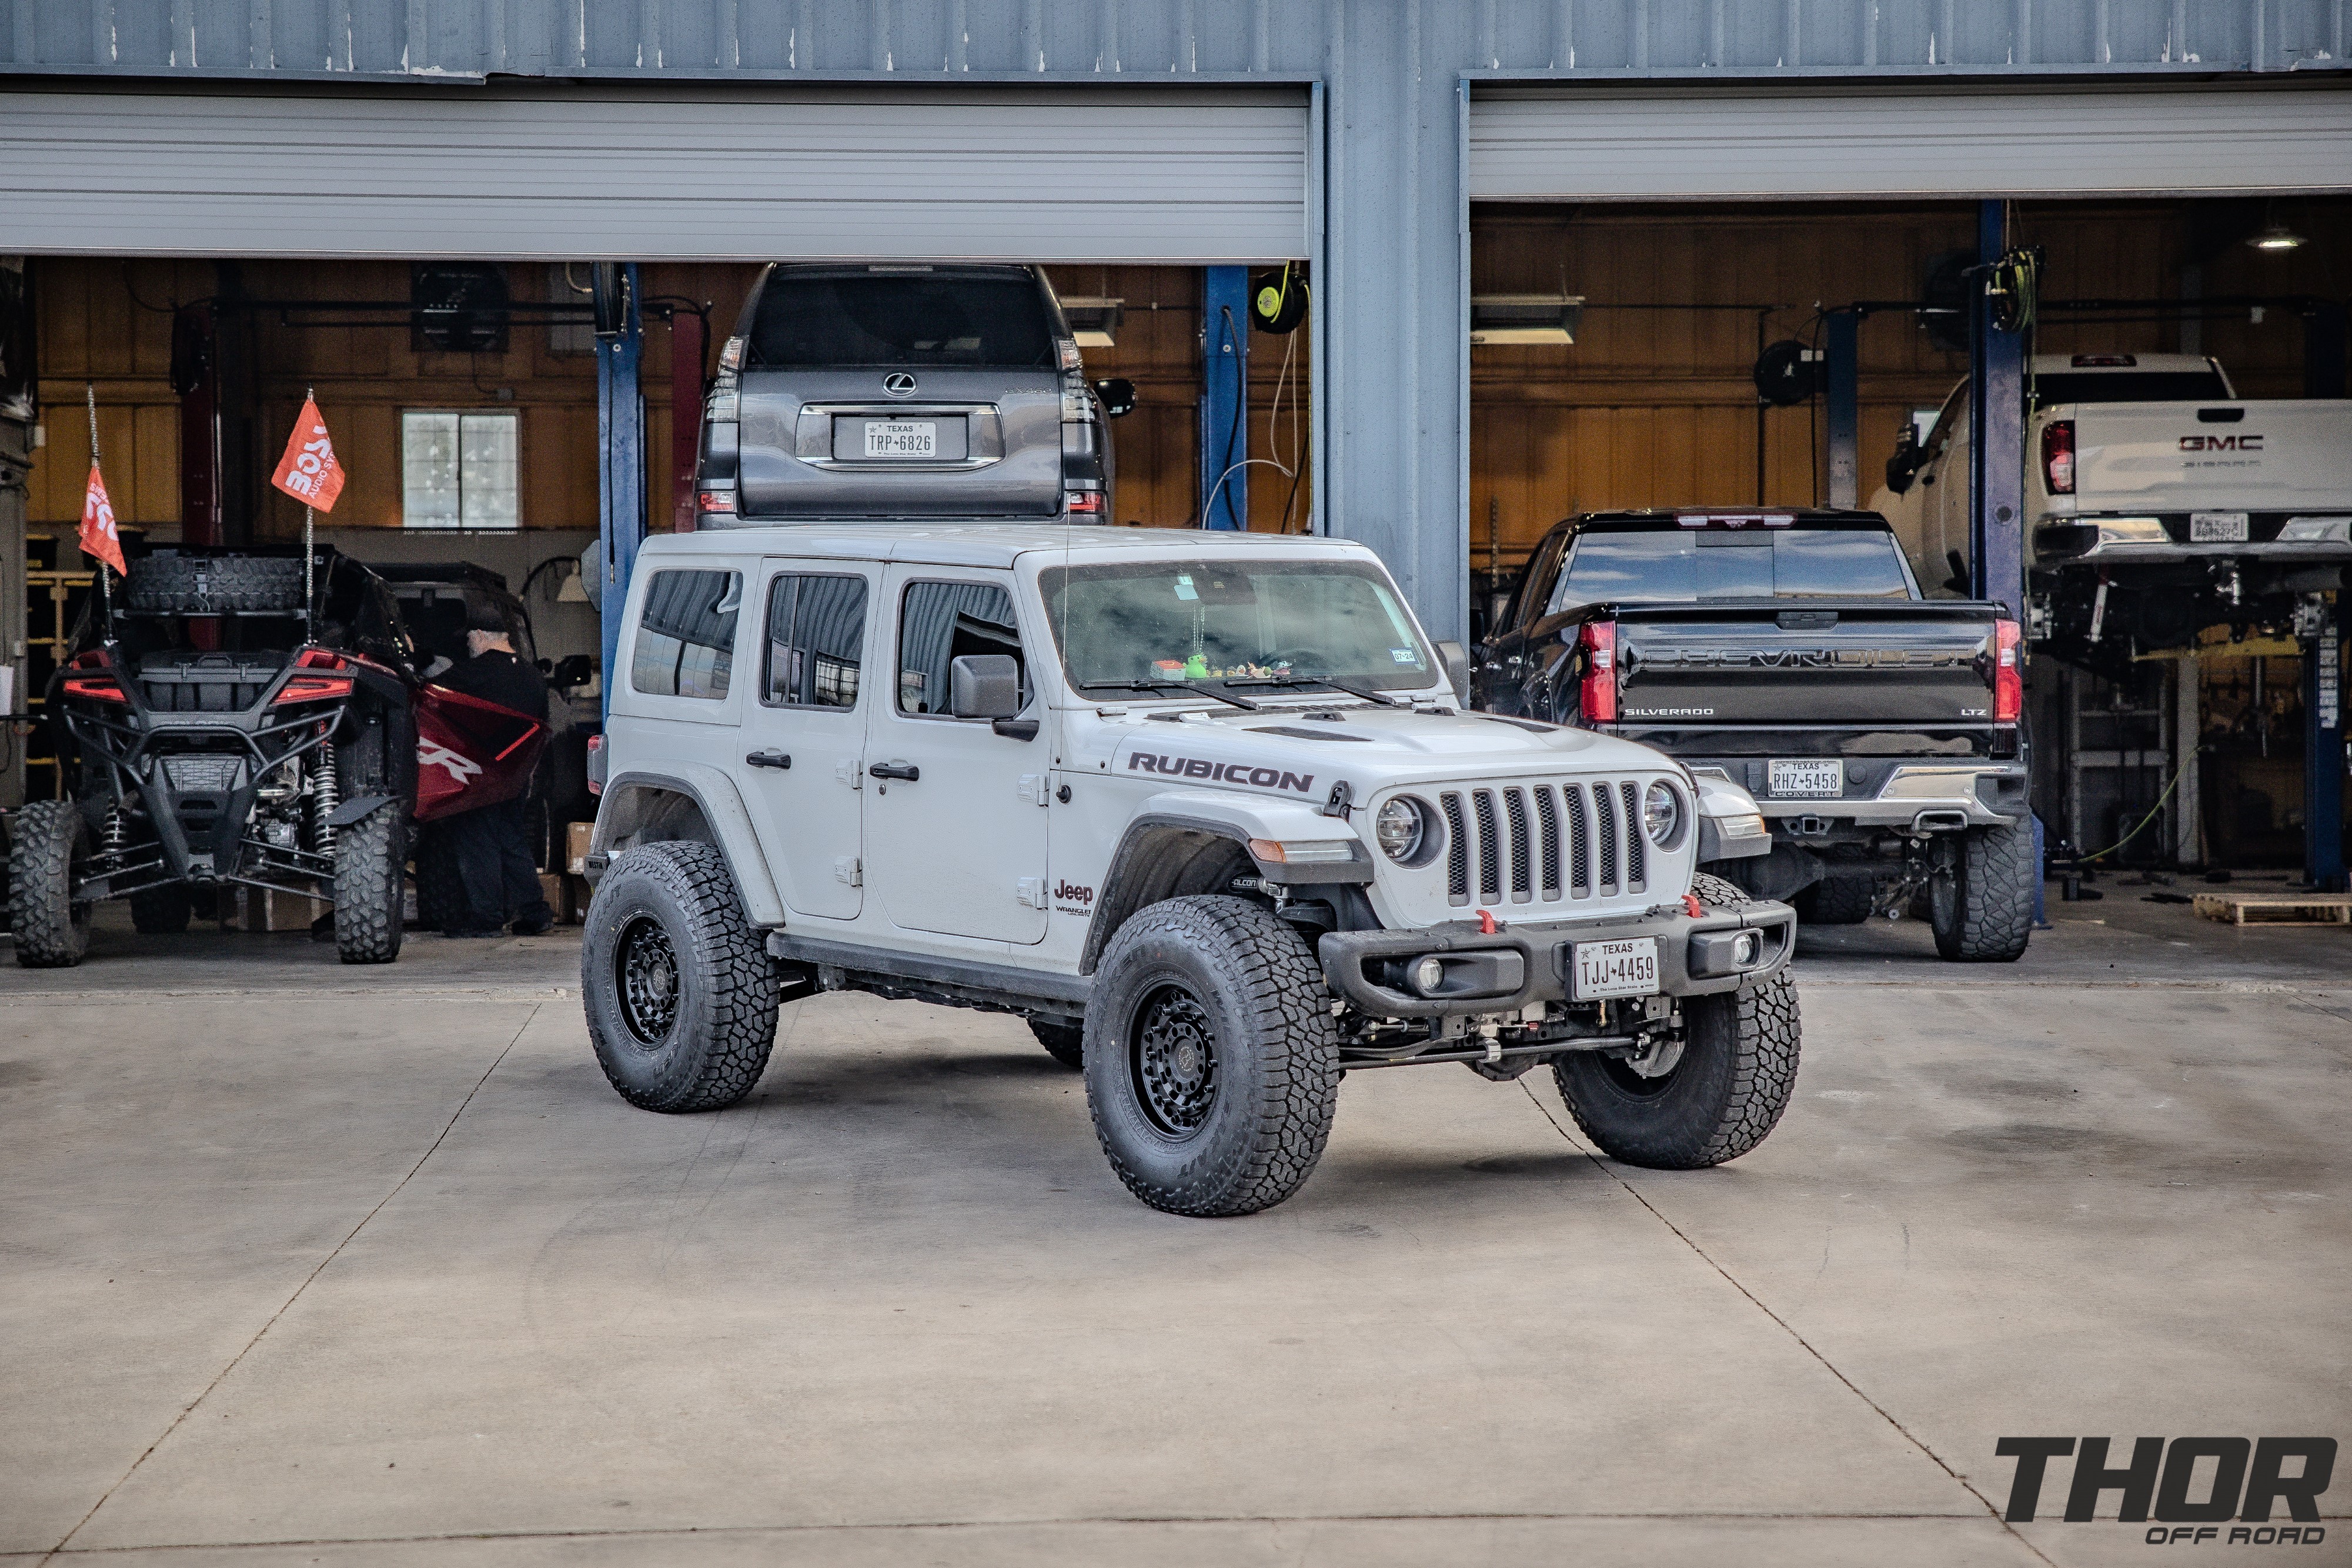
x=1169 y=767
x=2220 y=444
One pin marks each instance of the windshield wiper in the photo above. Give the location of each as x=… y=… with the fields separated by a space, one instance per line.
x=1381 y=699
x=1167 y=686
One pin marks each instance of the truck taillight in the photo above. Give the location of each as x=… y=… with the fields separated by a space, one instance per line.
x=596 y=765
x=2007 y=672
x=2058 y=456
x=1597 y=695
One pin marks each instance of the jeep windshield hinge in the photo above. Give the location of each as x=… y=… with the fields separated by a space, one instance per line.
x=1343 y=798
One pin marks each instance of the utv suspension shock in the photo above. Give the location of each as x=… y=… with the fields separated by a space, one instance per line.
x=326 y=794
x=116 y=836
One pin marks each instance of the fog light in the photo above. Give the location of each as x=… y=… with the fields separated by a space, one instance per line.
x=1747 y=949
x=1428 y=975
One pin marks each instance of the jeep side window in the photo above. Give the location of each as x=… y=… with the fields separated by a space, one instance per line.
x=939 y=623
x=816 y=635
x=686 y=639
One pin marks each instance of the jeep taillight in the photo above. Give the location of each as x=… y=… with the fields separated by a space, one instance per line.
x=596 y=765
x=1597 y=694
x=2058 y=456
x=2007 y=672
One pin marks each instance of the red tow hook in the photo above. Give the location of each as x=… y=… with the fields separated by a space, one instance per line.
x=1691 y=903
x=1486 y=923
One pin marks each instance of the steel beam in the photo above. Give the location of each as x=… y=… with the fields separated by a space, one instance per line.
x=1224 y=397
x=2324 y=759
x=1997 y=450
x=1841 y=335
x=620 y=478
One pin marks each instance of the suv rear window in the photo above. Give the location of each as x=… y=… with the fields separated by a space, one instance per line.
x=686 y=641
x=2132 y=386
x=1690 y=564
x=900 y=320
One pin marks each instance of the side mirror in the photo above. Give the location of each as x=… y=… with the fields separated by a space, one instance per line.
x=1117 y=396
x=1900 y=468
x=984 y=685
x=1457 y=669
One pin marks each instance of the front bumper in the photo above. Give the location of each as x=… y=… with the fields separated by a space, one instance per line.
x=1527 y=963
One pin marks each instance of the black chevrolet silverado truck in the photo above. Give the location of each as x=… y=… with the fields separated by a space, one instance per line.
x=1790 y=652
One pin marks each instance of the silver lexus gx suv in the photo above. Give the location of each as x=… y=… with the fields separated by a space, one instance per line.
x=904 y=390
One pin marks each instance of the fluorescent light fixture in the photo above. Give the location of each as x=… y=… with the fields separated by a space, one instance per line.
x=1522 y=319
x=1094 y=323
x=2277 y=237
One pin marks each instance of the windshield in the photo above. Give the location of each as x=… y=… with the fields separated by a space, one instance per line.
x=1228 y=623
x=912 y=321
x=1690 y=564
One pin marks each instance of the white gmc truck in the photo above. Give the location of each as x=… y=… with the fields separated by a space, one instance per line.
x=2159 y=503
x=1203 y=808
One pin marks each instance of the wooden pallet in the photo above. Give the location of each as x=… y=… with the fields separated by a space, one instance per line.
x=2278 y=909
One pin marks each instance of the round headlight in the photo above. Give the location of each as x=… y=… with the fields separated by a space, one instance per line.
x=1399 y=827
x=1662 y=813
x=1428 y=975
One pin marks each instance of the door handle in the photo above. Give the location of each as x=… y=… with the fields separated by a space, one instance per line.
x=906 y=770
x=769 y=759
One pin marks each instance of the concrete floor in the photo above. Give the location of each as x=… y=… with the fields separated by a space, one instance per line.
x=307 y=1264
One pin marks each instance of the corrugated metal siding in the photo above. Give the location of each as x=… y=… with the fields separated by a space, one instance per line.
x=1213 y=174
x=1527 y=144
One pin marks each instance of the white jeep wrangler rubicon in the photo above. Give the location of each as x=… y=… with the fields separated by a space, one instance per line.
x=1203 y=808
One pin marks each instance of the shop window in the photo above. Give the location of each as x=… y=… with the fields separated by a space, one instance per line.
x=459 y=470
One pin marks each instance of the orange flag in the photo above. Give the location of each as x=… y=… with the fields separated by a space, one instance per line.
x=99 y=540
x=309 y=471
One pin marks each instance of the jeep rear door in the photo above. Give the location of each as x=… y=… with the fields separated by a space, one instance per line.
x=801 y=768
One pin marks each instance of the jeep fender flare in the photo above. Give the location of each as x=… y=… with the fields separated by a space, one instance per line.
x=1182 y=837
x=696 y=802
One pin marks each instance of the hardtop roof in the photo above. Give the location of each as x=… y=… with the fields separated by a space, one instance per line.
x=952 y=543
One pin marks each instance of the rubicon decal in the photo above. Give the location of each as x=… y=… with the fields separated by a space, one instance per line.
x=2212 y=1491
x=1169 y=767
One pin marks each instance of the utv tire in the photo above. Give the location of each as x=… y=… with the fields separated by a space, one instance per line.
x=161 y=911
x=1211 y=1063
x=1738 y=1069
x=440 y=891
x=1980 y=889
x=50 y=844
x=209 y=585
x=369 y=855
x=1065 y=1043
x=681 y=993
x=1836 y=900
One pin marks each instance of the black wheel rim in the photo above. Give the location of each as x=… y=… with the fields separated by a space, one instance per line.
x=1173 y=1058
x=1634 y=1086
x=644 y=977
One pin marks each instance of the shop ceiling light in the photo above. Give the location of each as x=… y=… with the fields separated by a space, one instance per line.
x=2277 y=237
x=1095 y=322
x=1501 y=319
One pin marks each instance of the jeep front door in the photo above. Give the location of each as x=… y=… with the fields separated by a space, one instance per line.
x=957 y=810
x=803 y=772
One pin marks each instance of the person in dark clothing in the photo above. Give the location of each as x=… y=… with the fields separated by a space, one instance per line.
x=491 y=844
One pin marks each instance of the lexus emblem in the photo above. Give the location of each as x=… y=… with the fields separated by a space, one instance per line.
x=898 y=383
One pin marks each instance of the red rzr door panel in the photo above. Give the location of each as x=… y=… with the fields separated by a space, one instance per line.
x=470 y=752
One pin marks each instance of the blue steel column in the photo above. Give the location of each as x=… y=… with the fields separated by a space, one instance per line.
x=1997 y=519
x=1224 y=398
x=1840 y=334
x=621 y=481
x=2323 y=755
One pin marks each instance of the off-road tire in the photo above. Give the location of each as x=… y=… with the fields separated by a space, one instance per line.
x=1720 y=891
x=161 y=911
x=1737 y=1069
x=440 y=890
x=1274 y=1078
x=369 y=855
x=48 y=843
x=209 y=585
x=1980 y=894
x=720 y=1023
x=1065 y=1043
x=1836 y=900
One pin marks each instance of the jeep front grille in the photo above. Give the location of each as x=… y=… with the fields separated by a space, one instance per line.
x=1507 y=843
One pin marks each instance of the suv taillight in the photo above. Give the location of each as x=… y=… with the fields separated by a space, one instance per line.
x=2007 y=672
x=1597 y=694
x=596 y=765
x=2058 y=456
x=721 y=503
x=1084 y=503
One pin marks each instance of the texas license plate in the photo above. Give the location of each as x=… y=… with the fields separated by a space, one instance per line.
x=1812 y=777
x=901 y=438
x=2217 y=528
x=1597 y=969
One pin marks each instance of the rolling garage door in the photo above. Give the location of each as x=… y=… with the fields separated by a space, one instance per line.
x=1530 y=144
x=1135 y=174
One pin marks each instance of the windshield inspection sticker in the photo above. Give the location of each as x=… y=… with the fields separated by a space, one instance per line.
x=1404 y=657
x=1184 y=589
